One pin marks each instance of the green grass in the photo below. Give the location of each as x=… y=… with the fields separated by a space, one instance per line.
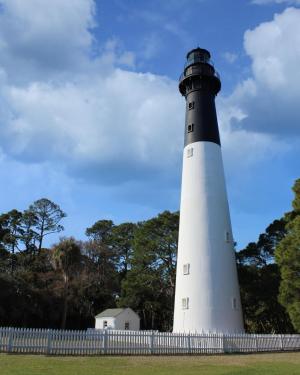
x=258 y=364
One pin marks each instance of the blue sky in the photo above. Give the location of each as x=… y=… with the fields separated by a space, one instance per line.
x=91 y=117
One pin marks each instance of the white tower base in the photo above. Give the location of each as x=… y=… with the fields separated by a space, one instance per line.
x=207 y=292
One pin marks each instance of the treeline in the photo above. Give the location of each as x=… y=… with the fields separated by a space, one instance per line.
x=134 y=265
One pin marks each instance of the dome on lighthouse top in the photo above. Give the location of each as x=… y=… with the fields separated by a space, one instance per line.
x=198 y=55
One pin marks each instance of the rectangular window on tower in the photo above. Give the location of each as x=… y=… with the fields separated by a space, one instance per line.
x=189 y=152
x=227 y=237
x=190 y=128
x=186 y=269
x=234 y=304
x=185 y=303
x=191 y=105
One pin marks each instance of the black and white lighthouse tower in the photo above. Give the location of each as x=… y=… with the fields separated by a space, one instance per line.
x=207 y=297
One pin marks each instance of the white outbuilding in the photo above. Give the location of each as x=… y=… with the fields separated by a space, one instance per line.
x=120 y=319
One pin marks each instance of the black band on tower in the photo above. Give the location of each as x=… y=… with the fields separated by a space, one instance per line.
x=200 y=83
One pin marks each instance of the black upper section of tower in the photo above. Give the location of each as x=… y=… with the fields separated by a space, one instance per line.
x=200 y=83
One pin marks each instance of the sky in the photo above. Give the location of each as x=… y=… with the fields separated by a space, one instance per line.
x=91 y=116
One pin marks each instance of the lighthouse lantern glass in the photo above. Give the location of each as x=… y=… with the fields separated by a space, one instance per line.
x=198 y=55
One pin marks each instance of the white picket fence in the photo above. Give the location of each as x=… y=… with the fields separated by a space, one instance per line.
x=108 y=342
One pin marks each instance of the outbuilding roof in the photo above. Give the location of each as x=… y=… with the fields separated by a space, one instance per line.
x=110 y=313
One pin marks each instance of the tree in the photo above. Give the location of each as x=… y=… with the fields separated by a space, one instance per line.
x=47 y=217
x=259 y=293
x=29 y=235
x=99 y=279
x=288 y=258
x=11 y=234
x=261 y=253
x=100 y=231
x=122 y=237
x=66 y=256
x=259 y=279
x=10 y=230
x=149 y=286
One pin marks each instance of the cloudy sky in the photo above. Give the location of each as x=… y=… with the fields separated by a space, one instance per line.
x=91 y=117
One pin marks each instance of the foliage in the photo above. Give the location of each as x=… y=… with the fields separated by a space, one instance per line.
x=122 y=238
x=66 y=257
x=25 y=231
x=261 y=253
x=99 y=283
x=150 y=285
x=100 y=231
x=11 y=231
x=259 y=283
x=46 y=217
x=288 y=259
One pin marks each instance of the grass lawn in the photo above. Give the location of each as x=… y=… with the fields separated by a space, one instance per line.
x=258 y=364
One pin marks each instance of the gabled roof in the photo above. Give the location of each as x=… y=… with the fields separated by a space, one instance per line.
x=110 y=313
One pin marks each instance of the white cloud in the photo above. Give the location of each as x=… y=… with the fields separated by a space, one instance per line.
x=270 y=98
x=38 y=38
x=113 y=54
x=274 y=48
x=125 y=118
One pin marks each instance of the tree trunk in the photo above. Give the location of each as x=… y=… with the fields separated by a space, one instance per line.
x=41 y=236
x=65 y=303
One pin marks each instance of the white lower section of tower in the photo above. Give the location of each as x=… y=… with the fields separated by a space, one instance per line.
x=207 y=297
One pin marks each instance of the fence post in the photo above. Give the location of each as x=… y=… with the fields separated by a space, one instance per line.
x=281 y=343
x=223 y=343
x=10 y=340
x=189 y=343
x=256 y=344
x=49 y=339
x=152 y=343
x=105 y=342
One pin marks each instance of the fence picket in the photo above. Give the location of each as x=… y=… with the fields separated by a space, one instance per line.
x=10 y=340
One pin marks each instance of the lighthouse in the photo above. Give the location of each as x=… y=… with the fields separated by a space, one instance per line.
x=207 y=297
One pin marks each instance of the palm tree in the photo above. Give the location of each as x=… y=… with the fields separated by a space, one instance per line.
x=66 y=257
